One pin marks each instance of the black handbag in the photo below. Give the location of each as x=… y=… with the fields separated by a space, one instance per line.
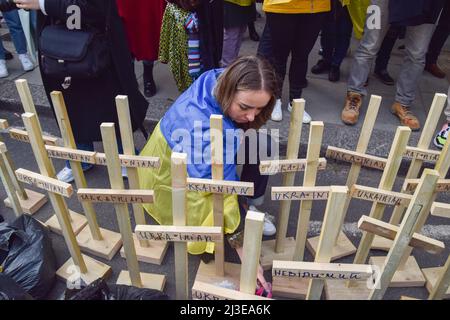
x=78 y=54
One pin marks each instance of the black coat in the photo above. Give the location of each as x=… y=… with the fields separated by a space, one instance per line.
x=92 y=102
x=414 y=12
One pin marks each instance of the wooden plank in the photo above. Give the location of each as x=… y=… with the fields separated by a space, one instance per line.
x=382 y=196
x=45 y=183
x=28 y=205
x=179 y=173
x=179 y=233
x=332 y=217
x=390 y=231
x=130 y=161
x=317 y=270
x=293 y=145
x=22 y=135
x=46 y=168
x=27 y=100
x=270 y=167
x=395 y=158
x=216 y=138
x=440 y=288
x=443 y=185
x=253 y=232
x=420 y=200
x=300 y=193
x=363 y=159
x=3 y=124
x=440 y=209
x=422 y=154
x=8 y=184
x=115 y=196
x=220 y=186
x=205 y=291
x=70 y=154
x=309 y=180
x=115 y=177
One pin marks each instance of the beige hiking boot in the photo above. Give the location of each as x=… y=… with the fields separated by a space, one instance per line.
x=353 y=102
x=407 y=118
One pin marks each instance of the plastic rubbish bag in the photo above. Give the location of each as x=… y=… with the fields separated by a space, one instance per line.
x=10 y=290
x=26 y=255
x=100 y=290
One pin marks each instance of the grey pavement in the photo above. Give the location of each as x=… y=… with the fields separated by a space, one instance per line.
x=324 y=101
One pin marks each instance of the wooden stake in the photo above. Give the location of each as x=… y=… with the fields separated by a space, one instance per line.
x=26 y=98
x=421 y=199
x=333 y=215
x=254 y=224
x=309 y=180
x=178 y=172
x=440 y=288
x=7 y=182
x=216 y=136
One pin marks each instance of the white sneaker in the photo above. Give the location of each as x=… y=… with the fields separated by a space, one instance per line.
x=277 y=113
x=269 y=225
x=26 y=62
x=65 y=175
x=3 y=70
x=306 y=117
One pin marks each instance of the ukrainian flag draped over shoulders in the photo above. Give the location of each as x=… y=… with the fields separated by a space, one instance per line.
x=185 y=128
x=296 y=6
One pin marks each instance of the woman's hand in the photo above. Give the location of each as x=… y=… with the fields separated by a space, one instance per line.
x=28 y=4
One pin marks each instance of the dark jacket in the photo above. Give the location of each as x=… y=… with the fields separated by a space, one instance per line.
x=414 y=12
x=92 y=102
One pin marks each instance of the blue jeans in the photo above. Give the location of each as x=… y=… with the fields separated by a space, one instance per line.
x=15 y=28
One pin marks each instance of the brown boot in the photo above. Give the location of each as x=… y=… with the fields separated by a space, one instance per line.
x=434 y=69
x=353 y=103
x=407 y=118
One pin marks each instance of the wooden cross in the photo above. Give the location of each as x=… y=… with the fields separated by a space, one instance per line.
x=358 y=158
x=282 y=248
x=85 y=267
x=203 y=289
x=133 y=276
x=146 y=251
x=419 y=155
x=95 y=240
x=218 y=187
x=30 y=201
x=8 y=182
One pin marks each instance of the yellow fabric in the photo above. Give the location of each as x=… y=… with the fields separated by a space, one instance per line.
x=242 y=3
x=358 y=11
x=199 y=205
x=296 y=6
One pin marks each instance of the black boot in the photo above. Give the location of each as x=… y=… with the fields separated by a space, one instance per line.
x=149 y=83
x=335 y=74
x=252 y=32
x=321 y=67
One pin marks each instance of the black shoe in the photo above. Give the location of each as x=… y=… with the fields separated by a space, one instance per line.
x=335 y=74
x=321 y=67
x=253 y=35
x=149 y=89
x=8 y=55
x=384 y=77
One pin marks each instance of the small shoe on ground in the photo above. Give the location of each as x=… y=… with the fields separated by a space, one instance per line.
x=321 y=67
x=384 y=77
x=406 y=117
x=277 y=113
x=334 y=74
x=353 y=102
x=269 y=222
x=3 y=70
x=441 y=138
x=306 y=117
x=66 y=174
x=149 y=89
x=27 y=65
x=434 y=69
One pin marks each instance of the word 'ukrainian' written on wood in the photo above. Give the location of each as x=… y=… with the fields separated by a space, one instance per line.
x=356 y=157
x=45 y=183
x=300 y=193
x=179 y=233
x=220 y=186
x=115 y=196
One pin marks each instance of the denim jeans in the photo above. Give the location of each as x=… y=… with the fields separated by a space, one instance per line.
x=232 y=40
x=265 y=45
x=15 y=28
x=417 y=39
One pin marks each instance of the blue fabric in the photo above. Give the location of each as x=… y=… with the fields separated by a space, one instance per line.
x=15 y=28
x=191 y=113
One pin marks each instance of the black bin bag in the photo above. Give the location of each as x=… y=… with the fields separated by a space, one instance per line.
x=100 y=290
x=10 y=290
x=26 y=255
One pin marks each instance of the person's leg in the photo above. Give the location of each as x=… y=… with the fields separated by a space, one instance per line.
x=232 y=39
x=265 y=45
x=417 y=39
x=149 y=82
x=15 y=28
x=387 y=45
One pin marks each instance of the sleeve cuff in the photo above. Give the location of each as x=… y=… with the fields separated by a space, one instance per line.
x=42 y=6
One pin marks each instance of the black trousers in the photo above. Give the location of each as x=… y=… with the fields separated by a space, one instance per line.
x=293 y=34
x=440 y=35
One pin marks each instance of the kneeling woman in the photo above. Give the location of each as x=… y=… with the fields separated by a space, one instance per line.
x=244 y=93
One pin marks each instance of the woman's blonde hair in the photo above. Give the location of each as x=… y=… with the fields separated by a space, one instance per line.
x=247 y=73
